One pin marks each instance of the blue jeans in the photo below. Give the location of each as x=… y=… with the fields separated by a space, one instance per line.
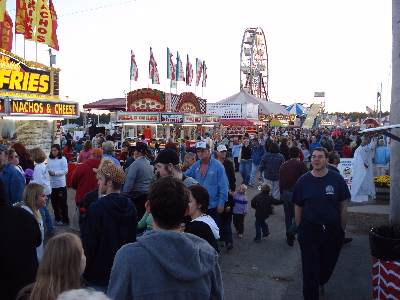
x=47 y=220
x=261 y=225
x=253 y=175
x=288 y=207
x=245 y=170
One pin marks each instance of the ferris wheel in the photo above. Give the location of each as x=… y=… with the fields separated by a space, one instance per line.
x=254 y=63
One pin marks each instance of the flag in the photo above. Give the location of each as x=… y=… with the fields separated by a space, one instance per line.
x=170 y=66
x=369 y=110
x=25 y=13
x=199 y=70
x=153 y=72
x=45 y=24
x=180 y=75
x=134 y=69
x=204 y=83
x=173 y=84
x=6 y=32
x=189 y=71
x=2 y=10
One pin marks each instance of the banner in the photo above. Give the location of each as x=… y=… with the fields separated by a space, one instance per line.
x=2 y=10
x=170 y=66
x=189 y=71
x=180 y=75
x=19 y=78
x=6 y=32
x=204 y=83
x=25 y=13
x=171 y=118
x=153 y=72
x=199 y=70
x=134 y=72
x=45 y=24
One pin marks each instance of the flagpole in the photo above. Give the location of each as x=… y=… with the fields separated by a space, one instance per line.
x=15 y=43
x=36 y=49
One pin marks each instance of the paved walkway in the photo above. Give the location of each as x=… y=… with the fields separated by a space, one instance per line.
x=272 y=269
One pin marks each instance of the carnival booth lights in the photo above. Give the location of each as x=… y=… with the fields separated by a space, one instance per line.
x=29 y=102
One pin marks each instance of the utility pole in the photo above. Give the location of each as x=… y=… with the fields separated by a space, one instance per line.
x=395 y=117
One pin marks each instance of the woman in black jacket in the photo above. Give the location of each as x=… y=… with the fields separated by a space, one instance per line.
x=201 y=224
x=20 y=235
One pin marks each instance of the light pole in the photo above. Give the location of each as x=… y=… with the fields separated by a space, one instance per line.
x=395 y=117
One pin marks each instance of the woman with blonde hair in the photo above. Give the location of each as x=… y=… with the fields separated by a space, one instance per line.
x=60 y=270
x=33 y=199
x=41 y=176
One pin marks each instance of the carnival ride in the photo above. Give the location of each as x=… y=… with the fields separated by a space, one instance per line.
x=254 y=74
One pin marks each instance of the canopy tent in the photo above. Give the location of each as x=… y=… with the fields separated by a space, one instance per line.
x=107 y=104
x=265 y=107
x=296 y=109
x=240 y=122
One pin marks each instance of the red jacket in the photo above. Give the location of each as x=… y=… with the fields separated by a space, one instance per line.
x=84 y=178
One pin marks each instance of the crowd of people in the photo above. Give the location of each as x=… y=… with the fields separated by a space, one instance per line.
x=185 y=201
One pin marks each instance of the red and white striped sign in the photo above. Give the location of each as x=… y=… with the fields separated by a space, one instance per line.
x=385 y=280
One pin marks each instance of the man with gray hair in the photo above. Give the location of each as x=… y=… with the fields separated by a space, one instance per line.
x=108 y=152
x=82 y=294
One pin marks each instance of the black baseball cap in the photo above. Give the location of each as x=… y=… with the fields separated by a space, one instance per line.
x=141 y=147
x=168 y=156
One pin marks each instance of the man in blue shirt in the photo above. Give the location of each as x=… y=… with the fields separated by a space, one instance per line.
x=320 y=213
x=257 y=152
x=314 y=144
x=210 y=173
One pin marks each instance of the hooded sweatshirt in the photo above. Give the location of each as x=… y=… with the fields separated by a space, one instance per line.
x=111 y=223
x=166 y=265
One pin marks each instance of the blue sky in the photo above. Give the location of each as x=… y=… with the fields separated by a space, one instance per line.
x=340 y=47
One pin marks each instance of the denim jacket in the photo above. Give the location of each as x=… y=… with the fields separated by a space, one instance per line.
x=215 y=181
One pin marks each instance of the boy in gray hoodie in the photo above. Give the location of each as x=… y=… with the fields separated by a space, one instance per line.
x=166 y=263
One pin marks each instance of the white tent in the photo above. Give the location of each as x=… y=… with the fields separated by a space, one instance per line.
x=266 y=107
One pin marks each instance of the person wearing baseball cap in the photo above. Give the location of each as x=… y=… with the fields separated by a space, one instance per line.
x=13 y=181
x=110 y=223
x=167 y=164
x=210 y=173
x=139 y=176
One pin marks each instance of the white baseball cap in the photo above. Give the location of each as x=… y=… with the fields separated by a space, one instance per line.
x=221 y=148
x=202 y=145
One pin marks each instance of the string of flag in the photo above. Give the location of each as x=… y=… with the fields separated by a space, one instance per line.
x=175 y=70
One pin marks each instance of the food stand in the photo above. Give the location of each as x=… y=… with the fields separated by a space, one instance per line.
x=166 y=115
x=30 y=104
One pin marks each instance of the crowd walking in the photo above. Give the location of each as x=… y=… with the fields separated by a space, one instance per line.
x=153 y=224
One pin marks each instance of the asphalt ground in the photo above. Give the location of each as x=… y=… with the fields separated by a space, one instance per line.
x=272 y=270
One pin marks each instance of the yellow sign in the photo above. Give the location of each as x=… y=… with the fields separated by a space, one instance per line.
x=19 y=78
x=48 y=108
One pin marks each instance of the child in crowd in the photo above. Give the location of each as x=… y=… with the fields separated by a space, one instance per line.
x=262 y=203
x=146 y=223
x=239 y=209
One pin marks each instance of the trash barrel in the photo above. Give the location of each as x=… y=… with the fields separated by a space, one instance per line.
x=384 y=243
